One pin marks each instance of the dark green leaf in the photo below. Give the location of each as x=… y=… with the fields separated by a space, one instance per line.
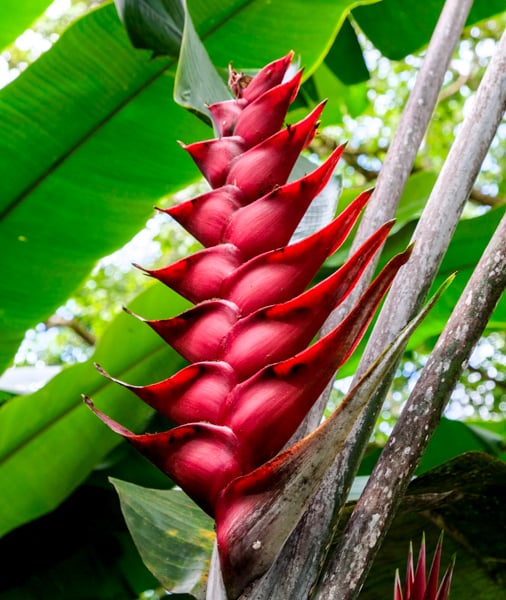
x=166 y=27
x=397 y=27
x=345 y=58
x=155 y=25
x=90 y=554
x=451 y=439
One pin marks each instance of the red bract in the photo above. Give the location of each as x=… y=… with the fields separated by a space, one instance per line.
x=417 y=585
x=254 y=372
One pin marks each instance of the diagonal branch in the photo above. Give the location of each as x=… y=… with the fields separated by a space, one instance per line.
x=432 y=237
x=444 y=207
x=370 y=175
x=377 y=506
x=403 y=149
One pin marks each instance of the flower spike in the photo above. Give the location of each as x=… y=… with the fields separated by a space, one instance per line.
x=255 y=369
x=268 y=164
x=224 y=215
x=265 y=115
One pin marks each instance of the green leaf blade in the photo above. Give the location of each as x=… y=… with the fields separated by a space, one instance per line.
x=174 y=537
x=50 y=441
x=17 y=16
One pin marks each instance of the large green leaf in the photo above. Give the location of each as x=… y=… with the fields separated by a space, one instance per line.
x=174 y=537
x=82 y=164
x=397 y=27
x=88 y=141
x=49 y=441
x=18 y=15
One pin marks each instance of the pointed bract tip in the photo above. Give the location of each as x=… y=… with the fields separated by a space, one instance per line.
x=100 y=369
x=407 y=252
x=104 y=373
x=141 y=268
x=132 y=314
x=88 y=401
x=397 y=586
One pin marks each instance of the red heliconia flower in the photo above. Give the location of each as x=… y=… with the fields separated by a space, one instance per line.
x=254 y=371
x=417 y=585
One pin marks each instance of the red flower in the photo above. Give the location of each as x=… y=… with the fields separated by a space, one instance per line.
x=254 y=373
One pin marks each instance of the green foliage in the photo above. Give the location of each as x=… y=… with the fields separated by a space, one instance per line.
x=88 y=146
x=88 y=207
x=92 y=107
x=35 y=473
x=18 y=16
x=397 y=30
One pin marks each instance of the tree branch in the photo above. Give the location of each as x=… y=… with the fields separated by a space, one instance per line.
x=500 y=383
x=350 y=156
x=73 y=324
x=377 y=506
x=486 y=199
x=432 y=237
x=452 y=88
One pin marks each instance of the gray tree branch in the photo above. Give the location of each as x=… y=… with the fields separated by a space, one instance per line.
x=377 y=506
x=432 y=237
x=401 y=153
